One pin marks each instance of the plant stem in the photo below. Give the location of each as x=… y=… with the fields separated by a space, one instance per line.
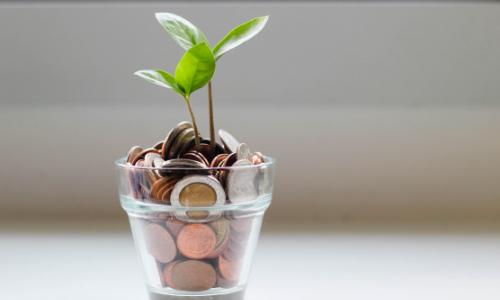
x=196 y=134
x=211 y=116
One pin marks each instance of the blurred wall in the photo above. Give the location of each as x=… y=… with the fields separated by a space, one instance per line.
x=375 y=111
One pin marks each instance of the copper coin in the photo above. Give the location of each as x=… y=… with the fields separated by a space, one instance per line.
x=197 y=156
x=133 y=152
x=196 y=241
x=174 y=226
x=167 y=272
x=160 y=186
x=230 y=160
x=221 y=228
x=257 y=158
x=166 y=192
x=190 y=275
x=142 y=154
x=159 y=243
x=229 y=269
x=215 y=162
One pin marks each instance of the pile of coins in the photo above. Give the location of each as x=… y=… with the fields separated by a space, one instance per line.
x=198 y=256
x=177 y=162
x=196 y=250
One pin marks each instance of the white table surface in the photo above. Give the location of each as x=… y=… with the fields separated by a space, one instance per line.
x=340 y=264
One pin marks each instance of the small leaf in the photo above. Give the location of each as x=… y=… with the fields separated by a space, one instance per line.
x=195 y=69
x=181 y=30
x=240 y=35
x=160 y=78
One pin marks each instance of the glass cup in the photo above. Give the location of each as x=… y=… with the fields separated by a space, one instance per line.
x=195 y=230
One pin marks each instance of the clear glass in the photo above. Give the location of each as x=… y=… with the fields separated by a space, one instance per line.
x=193 y=251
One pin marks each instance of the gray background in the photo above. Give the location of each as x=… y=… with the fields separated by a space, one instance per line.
x=376 y=111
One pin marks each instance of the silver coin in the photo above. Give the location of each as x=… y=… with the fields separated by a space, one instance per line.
x=187 y=213
x=228 y=140
x=152 y=159
x=243 y=152
x=241 y=182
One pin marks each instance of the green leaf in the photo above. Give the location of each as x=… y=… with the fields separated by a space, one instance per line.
x=160 y=78
x=181 y=30
x=240 y=35
x=195 y=69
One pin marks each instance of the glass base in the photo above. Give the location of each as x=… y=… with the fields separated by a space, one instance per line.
x=229 y=294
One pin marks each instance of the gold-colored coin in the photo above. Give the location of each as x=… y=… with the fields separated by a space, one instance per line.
x=197 y=194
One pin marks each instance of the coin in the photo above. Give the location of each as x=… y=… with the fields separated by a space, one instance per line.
x=198 y=191
x=167 y=272
x=152 y=158
x=133 y=152
x=221 y=229
x=243 y=152
x=240 y=184
x=190 y=275
x=229 y=269
x=257 y=158
x=143 y=180
x=171 y=136
x=217 y=159
x=142 y=154
x=166 y=192
x=206 y=149
x=230 y=142
x=160 y=187
x=184 y=137
x=174 y=226
x=196 y=241
x=181 y=167
x=197 y=156
x=159 y=243
x=227 y=162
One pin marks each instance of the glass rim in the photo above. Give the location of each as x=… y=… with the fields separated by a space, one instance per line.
x=131 y=205
x=122 y=164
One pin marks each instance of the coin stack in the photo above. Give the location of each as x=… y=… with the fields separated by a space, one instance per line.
x=177 y=157
x=196 y=250
x=197 y=256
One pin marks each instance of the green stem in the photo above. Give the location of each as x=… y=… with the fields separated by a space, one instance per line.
x=196 y=134
x=211 y=116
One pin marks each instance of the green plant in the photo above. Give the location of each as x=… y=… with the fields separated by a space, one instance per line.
x=193 y=71
x=197 y=66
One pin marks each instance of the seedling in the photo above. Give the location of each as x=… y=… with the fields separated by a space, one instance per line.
x=197 y=66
